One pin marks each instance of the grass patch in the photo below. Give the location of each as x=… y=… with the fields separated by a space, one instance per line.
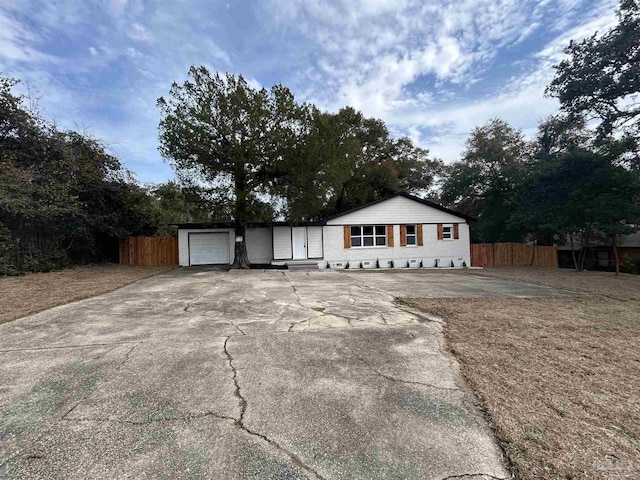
x=34 y=292
x=557 y=376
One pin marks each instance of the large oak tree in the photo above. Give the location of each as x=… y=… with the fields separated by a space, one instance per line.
x=219 y=131
x=486 y=181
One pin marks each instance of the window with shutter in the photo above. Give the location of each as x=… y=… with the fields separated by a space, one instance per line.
x=366 y=236
x=408 y=235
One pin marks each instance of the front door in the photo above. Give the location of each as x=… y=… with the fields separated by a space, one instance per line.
x=299 y=240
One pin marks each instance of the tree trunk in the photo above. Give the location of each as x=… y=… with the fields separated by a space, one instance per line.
x=573 y=252
x=615 y=255
x=241 y=258
x=585 y=246
x=533 y=253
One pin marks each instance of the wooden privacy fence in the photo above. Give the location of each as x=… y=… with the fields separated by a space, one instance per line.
x=149 y=251
x=513 y=254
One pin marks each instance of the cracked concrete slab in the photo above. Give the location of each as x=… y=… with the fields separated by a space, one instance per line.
x=350 y=415
x=201 y=373
x=201 y=447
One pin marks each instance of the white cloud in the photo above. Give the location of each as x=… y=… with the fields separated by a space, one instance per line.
x=138 y=32
x=392 y=60
x=17 y=43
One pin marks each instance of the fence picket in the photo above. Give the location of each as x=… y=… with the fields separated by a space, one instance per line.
x=149 y=251
x=513 y=254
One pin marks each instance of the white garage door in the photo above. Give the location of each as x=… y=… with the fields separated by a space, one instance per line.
x=208 y=248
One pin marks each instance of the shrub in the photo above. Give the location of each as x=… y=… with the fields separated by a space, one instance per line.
x=631 y=265
x=7 y=252
x=40 y=262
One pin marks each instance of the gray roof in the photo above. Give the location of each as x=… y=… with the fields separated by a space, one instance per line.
x=632 y=240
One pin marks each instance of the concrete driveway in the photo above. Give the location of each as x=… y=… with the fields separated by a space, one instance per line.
x=244 y=374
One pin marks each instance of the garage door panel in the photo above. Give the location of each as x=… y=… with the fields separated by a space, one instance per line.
x=208 y=248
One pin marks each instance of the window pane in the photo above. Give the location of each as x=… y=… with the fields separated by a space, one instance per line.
x=368 y=230
x=411 y=229
x=356 y=241
x=380 y=241
x=355 y=231
x=411 y=240
x=368 y=241
x=379 y=229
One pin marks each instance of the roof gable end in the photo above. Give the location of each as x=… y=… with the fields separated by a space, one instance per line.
x=399 y=208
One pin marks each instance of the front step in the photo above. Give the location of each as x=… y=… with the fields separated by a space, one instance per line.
x=302 y=265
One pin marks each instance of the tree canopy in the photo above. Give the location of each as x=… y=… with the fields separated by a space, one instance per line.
x=63 y=197
x=601 y=79
x=486 y=182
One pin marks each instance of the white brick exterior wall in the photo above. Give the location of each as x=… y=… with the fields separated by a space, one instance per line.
x=443 y=250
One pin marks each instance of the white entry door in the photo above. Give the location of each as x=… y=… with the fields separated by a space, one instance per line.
x=299 y=237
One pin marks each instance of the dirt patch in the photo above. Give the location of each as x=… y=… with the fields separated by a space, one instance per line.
x=34 y=292
x=558 y=376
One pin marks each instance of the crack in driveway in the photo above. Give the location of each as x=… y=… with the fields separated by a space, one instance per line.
x=479 y=476
x=86 y=345
x=398 y=380
x=241 y=424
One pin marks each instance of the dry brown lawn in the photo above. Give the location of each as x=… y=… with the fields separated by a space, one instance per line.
x=34 y=292
x=559 y=377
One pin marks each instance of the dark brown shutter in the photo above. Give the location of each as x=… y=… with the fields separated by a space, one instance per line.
x=403 y=235
x=456 y=231
x=347 y=236
x=419 y=229
x=389 y=235
x=439 y=231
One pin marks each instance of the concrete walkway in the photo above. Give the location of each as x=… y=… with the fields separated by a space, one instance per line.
x=244 y=374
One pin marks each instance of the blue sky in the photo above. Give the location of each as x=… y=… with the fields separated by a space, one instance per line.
x=431 y=70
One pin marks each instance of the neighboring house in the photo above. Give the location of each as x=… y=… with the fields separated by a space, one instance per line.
x=600 y=255
x=402 y=229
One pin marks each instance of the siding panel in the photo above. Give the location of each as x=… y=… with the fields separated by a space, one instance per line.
x=314 y=242
x=282 y=243
x=396 y=210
